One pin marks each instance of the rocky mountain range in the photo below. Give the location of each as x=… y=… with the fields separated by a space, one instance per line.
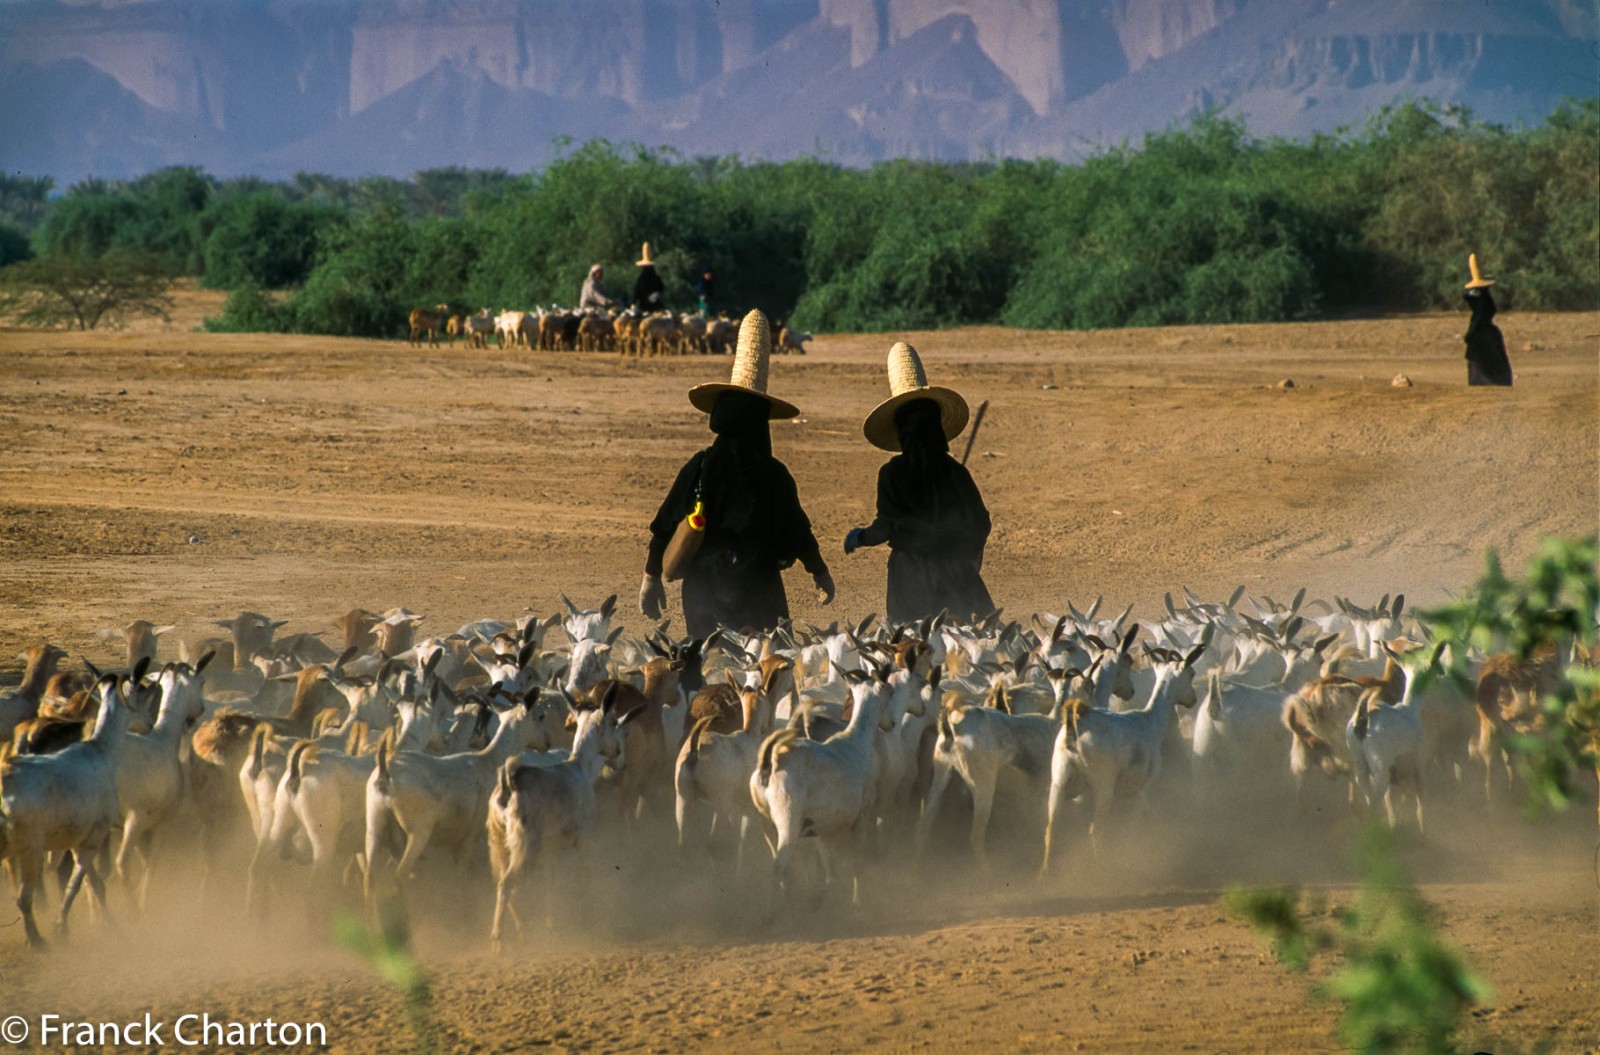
x=115 y=88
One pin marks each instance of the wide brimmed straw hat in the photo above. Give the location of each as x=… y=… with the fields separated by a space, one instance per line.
x=644 y=257
x=1478 y=281
x=908 y=381
x=750 y=363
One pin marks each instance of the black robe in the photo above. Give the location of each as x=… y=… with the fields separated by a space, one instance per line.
x=755 y=527
x=934 y=520
x=1487 y=362
x=647 y=289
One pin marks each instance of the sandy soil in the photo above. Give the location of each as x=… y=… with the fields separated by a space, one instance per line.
x=166 y=474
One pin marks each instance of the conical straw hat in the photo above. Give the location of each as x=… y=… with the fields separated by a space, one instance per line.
x=1478 y=281
x=644 y=257
x=750 y=363
x=908 y=381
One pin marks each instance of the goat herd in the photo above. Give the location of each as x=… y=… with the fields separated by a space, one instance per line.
x=630 y=331
x=402 y=751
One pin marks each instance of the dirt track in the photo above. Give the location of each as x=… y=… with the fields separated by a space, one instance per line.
x=181 y=477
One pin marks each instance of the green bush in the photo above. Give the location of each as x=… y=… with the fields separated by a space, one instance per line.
x=1401 y=988
x=250 y=309
x=13 y=245
x=1198 y=224
x=262 y=240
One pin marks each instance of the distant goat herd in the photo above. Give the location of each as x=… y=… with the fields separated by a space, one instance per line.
x=629 y=331
x=490 y=744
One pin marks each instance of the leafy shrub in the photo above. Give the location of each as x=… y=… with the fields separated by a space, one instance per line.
x=1401 y=988
x=250 y=309
x=261 y=240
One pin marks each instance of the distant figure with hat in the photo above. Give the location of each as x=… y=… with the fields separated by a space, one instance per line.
x=648 y=287
x=929 y=509
x=1487 y=362
x=753 y=526
x=592 y=297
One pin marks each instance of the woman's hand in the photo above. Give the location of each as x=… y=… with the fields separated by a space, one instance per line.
x=824 y=584
x=852 y=540
x=652 y=596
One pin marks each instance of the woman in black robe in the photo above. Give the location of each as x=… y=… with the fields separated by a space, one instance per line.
x=755 y=527
x=648 y=287
x=929 y=509
x=1487 y=362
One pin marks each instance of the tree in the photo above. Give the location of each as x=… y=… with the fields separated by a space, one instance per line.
x=82 y=292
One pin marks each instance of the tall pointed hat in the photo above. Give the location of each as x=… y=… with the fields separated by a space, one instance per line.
x=908 y=381
x=750 y=363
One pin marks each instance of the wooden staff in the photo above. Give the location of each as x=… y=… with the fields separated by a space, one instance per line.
x=977 y=419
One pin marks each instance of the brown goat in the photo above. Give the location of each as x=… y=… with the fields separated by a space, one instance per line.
x=1508 y=698
x=22 y=703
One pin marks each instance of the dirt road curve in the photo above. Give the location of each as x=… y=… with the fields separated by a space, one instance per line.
x=166 y=474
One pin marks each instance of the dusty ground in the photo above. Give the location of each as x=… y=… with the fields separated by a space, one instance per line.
x=166 y=474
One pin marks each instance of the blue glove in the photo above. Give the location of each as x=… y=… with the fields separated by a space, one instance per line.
x=852 y=540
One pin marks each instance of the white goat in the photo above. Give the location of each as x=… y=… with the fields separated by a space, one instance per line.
x=715 y=768
x=978 y=742
x=1108 y=754
x=533 y=807
x=428 y=794
x=827 y=790
x=65 y=803
x=1388 y=745
x=150 y=785
x=589 y=625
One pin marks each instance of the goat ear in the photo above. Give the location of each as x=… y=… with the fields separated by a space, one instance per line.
x=570 y=606
x=610 y=697
x=140 y=668
x=935 y=676
x=1238 y=592
x=608 y=606
x=1194 y=654
x=1127 y=639
x=631 y=715
x=210 y=655
x=344 y=657
x=1399 y=606
x=1323 y=642
x=611 y=638
x=861 y=627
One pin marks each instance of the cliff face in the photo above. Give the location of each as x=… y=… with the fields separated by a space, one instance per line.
x=254 y=84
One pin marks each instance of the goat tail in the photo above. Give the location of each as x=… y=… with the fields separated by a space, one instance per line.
x=258 y=747
x=302 y=752
x=772 y=748
x=1360 y=722
x=697 y=738
x=356 y=738
x=385 y=753
x=505 y=784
